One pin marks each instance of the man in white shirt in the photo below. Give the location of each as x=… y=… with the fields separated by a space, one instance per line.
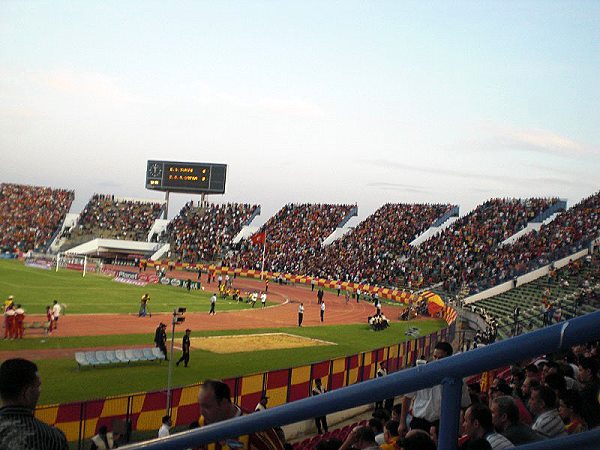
x=427 y=403
x=165 y=427
x=213 y=302
x=300 y=314
x=322 y=310
x=56 y=310
x=263 y=299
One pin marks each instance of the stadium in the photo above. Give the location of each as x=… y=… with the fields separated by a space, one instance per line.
x=97 y=352
x=299 y=225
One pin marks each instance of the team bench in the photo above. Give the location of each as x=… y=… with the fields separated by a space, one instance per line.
x=125 y=356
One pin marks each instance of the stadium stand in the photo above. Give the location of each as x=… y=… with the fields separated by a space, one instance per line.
x=569 y=232
x=370 y=251
x=293 y=235
x=108 y=217
x=570 y=291
x=458 y=253
x=31 y=215
x=202 y=234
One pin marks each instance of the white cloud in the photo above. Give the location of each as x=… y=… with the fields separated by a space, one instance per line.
x=86 y=84
x=498 y=138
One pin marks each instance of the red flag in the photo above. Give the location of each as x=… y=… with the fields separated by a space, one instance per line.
x=259 y=238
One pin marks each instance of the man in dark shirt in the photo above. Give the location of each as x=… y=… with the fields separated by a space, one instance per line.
x=185 y=347
x=506 y=420
x=590 y=390
x=160 y=338
x=19 y=391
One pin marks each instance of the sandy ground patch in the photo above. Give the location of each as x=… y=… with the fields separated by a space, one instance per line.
x=253 y=342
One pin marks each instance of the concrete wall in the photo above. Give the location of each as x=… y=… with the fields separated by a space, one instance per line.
x=432 y=231
x=523 y=279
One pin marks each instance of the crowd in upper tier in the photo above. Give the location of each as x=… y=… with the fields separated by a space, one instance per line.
x=458 y=253
x=108 y=217
x=564 y=235
x=201 y=234
x=369 y=250
x=30 y=215
x=293 y=235
x=467 y=253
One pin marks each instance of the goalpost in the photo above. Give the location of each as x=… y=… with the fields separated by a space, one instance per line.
x=74 y=261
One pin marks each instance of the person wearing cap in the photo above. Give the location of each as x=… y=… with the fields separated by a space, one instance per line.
x=185 y=347
x=19 y=322
x=8 y=302
x=8 y=306
x=262 y=404
x=9 y=322
x=160 y=338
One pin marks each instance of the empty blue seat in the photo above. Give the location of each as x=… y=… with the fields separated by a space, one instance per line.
x=81 y=360
x=159 y=354
x=112 y=357
x=120 y=354
x=91 y=358
x=101 y=357
x=131 y=355
x=149 y=355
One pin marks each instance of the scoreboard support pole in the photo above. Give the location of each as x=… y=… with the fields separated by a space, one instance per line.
x=165 y=214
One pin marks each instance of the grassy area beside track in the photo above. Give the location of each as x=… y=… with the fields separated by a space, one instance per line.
x=35 y=288
x=63 y=382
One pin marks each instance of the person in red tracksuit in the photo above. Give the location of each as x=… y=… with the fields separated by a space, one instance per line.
x=19 y=322
x=9 y=323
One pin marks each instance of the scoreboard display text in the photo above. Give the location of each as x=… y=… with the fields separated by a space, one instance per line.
x=187 y=177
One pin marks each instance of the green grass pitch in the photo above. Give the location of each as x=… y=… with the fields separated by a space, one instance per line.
x=63 y=382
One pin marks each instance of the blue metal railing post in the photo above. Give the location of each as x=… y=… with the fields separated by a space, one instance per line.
x=450 y=413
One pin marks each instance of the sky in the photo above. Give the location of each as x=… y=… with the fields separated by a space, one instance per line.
x=365 y=102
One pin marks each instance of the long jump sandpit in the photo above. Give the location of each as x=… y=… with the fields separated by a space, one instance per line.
x=254 y=342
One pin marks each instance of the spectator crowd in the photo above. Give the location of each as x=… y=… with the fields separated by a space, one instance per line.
x=294 y=235
x=31 y=215
x=569 y=232
x=371 y=250
x=203 y=234
x=108 y=217
x=459 y=253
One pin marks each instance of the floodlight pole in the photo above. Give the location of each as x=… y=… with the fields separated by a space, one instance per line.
x=170 y=376
x=166 y=211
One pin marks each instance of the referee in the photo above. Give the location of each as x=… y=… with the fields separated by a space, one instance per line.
x=185 y=346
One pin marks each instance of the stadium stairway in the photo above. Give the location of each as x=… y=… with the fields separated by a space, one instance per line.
x=528 y=298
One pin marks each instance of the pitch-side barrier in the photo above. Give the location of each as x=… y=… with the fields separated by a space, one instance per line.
x=448 y=372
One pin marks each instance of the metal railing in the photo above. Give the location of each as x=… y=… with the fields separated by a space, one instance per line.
x=448 y=372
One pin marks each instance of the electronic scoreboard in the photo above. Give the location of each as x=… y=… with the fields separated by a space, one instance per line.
x=186 y=177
